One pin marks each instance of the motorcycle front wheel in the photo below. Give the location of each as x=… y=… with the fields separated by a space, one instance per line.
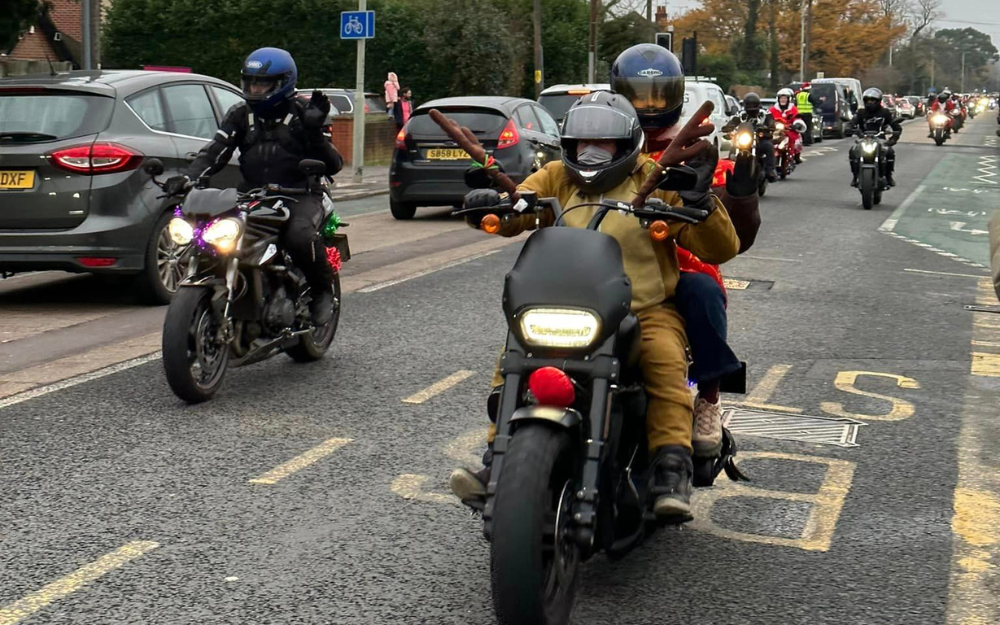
x=783 y=167
x=312 y=346
x=193 y=359
x=534 y=560
x=939 y=137
x=867 y=187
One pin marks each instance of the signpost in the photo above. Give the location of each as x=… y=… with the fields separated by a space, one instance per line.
x=359 y=25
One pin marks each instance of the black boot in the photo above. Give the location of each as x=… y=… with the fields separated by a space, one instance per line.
x=889 y=179
x=672 y=470
x=322 y=306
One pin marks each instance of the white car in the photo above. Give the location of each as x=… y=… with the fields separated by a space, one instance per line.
x=698 y=90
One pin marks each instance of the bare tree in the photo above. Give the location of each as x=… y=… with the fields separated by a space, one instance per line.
x=894 y=9
x=922 y=14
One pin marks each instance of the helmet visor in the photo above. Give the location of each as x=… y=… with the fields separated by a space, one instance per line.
x=653 y=95
x=261 y=87
x=597 y=122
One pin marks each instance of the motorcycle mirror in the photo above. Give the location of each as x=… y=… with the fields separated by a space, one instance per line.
x=679 y=178
x=312 y=167
x=153 y=167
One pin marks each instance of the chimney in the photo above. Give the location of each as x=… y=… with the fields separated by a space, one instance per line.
x=661 y=18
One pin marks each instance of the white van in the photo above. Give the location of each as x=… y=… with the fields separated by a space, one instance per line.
x=697 y=90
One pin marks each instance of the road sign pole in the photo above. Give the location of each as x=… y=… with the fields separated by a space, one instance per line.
x=358 y=157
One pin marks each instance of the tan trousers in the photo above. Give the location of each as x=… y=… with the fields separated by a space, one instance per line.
x=670 y=414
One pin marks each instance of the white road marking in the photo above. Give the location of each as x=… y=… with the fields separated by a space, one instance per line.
x=438 y=387
x=889 y=224
x=420 y=274
x=944 y=273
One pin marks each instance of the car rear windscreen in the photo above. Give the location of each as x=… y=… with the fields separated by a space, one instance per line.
x=828 y=91
x=30 y=116
x=479 y=121
x=557 y=104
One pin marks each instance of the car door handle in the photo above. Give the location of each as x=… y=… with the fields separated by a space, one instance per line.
x=190 y=156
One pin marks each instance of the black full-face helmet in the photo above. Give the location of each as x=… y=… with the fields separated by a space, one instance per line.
x=601 y=116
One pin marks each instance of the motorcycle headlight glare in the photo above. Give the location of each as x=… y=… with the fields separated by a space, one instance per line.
x=779 y=126
x=559 y=327
x=180 y=230
x=744 y=140
x=223 y=234
x=940 y=119
x=869 y=147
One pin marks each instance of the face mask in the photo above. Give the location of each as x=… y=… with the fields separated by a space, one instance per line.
x=593 y=155
x=872 y=107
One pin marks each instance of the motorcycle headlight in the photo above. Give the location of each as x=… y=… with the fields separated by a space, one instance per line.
x=779 y=126
x=869 y=147
x=744 y=140
x=559 y=327
x=181 y=232
x=223 y=234
x=940 y=119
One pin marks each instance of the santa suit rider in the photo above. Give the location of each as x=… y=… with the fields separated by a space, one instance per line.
x=785 y=111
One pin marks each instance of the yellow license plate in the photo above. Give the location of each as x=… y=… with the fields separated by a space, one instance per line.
x=16 y=180
x=442 y=154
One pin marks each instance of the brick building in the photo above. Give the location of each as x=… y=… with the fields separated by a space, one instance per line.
x=58 y=33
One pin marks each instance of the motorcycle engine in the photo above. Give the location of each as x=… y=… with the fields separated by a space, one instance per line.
x=280 y=311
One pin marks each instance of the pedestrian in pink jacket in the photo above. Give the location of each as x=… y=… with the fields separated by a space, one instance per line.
x=391 y=92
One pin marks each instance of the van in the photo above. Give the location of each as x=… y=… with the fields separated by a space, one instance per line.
x=698 y=90
x=835 y=109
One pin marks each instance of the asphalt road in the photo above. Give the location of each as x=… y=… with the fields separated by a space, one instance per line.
x=122 y=505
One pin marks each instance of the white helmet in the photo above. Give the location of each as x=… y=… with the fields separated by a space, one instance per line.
x=785 y=92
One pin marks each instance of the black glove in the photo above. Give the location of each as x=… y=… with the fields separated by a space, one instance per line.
x=743 y=181
x=316 y=111
x=176 y=185
x=704 y=164
x=477 y=178
x=480 y=198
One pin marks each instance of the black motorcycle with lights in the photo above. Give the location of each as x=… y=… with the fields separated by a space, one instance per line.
x=242 y=300
x=570 y=475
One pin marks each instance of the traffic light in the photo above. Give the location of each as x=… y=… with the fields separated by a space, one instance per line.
x=666 y=40
x=689 y=55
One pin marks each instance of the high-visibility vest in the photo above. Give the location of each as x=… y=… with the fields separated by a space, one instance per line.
x=802 y=99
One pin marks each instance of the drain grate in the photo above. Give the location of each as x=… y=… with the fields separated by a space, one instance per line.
x=745 y=284
x=823 y=430
x=734 y=284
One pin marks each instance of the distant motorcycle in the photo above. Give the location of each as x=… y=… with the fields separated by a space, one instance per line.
x=871 y=177
x=784 y=150
x=941 y=125
x=243 y=300
x=743 y=142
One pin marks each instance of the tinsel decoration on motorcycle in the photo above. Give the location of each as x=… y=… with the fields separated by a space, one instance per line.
x=329 y=230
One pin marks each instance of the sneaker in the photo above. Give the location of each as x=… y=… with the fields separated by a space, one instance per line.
x=470 y=486
x=707 y=437
x=672 y=484
x=321 y=307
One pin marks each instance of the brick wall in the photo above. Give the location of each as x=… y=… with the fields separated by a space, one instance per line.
x=67 y=16
x=34 y=46
x=380 y=138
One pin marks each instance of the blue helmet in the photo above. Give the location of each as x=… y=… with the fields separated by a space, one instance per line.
x=268 y=76
x=652 y=79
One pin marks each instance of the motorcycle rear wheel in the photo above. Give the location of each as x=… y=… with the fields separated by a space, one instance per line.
x=312 y=346
x=194 y=362
x=533 y=558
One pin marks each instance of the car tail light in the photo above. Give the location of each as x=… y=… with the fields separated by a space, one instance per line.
x=97 y=158
x=509 y=135
x=401 y=139
x=96 y=261
x=552 y=387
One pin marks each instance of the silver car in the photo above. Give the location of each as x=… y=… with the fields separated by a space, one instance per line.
x=73 y=196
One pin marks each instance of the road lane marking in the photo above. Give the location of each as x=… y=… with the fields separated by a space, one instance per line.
x=761 y=394
x=826 y=503
x=975 y=524
x=779 y=260
x=945 y=273
x=438 y=387
x=986 y=364
x=382 y=285
x=301 y=461
x=34 y=393
x=413 y=487
x=28 y=605
x=845 y=380
x=890 y=224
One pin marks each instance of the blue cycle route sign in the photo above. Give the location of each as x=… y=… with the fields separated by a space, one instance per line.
x=357 y=25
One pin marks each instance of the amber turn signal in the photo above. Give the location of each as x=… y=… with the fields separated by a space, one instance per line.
x=659 y=230
x=491 y=224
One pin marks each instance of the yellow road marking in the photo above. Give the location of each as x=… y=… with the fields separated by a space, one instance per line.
x=438 y=387
x=827 y=502
x=986 y=343
x=25 y=607
x=468 y=448
x=411 y=486
x=761 y=394
x=901 y=409
x=301 y=461
x=735 y=285
x=975 y=525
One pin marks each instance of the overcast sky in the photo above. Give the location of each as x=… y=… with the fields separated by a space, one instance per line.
x=983 y=15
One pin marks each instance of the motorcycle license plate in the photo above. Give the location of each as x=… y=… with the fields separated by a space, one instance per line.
x=10 y=180
x=445 y=154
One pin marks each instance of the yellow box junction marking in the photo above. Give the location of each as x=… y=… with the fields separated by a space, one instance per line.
x=901 y=409
x=301 y=461
x=975 y=525
x=25 y=607
x=761 y=394
x=827 y=503
x=438 y=387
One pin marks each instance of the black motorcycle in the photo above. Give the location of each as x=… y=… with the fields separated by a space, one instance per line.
x=570 y=473
x=871 y=159
x=242 y=300
x=743 y=142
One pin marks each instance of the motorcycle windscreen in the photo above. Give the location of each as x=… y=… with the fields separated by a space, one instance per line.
x=570 y=268
x=210 y=202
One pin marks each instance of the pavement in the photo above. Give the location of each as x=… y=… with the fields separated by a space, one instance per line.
x=374 y=181
x=317 y=493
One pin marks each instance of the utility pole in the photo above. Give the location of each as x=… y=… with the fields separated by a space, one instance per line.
x=86 y=25
x=595 y=6
x=539 y=69
x=804 y=52
x=649 y=10
x=358 y=152
x=963 y=72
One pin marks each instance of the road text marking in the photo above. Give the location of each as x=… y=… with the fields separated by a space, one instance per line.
x=301 y=461
x=438 y=387
x=25 y=607
x=761 y=394
x=901 y=409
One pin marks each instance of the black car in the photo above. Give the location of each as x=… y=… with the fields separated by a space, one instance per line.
x=72 y=194
x=834 y=110
x=428 y=169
